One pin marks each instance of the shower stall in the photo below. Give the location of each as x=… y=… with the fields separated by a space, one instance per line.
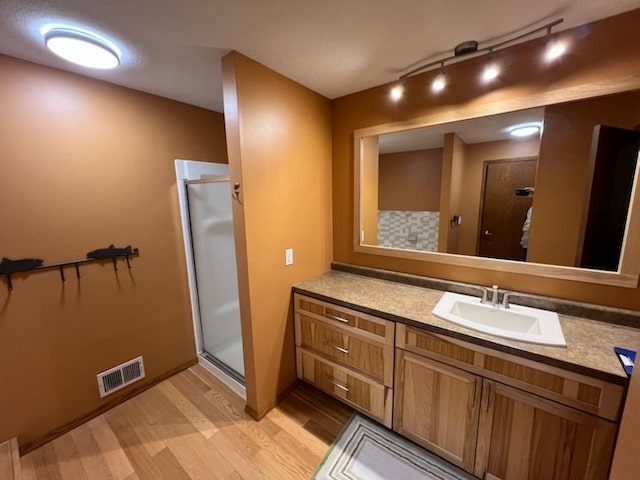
x=205 y=205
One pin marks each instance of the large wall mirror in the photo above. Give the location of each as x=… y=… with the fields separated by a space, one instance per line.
x=549 y=190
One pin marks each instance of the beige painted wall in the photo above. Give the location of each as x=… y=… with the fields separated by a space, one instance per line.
x=84 y=164
x=279 y=138
x=410 y=181
x=608 y=52
x=369 y=169
x=455 y=149
x=476 y=155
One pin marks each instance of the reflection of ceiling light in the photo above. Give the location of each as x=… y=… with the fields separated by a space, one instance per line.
x=81 y=48
x=397 y=92
x=525 y=130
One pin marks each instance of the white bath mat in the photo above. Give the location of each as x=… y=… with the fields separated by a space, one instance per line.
x=368 y=451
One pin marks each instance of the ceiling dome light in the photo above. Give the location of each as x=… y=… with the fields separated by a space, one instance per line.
x=81 y=48
x=525 y=130
x=555 y=49
x=397 y=92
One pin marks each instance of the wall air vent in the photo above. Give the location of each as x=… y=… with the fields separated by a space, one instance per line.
x=119 y=377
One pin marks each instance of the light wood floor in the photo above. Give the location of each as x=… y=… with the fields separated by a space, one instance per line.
x=192 y=426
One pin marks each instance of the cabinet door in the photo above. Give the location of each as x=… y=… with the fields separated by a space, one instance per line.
x=437 y=406
x=527 y=437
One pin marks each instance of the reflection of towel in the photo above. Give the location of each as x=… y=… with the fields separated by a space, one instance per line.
x=526 y=226
x=22 y=265
x=109 y=252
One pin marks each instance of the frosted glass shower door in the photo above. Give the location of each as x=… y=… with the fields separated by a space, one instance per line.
x=214 y=255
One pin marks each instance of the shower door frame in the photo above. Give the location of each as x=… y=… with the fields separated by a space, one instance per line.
x=238 y=377
x=199 y=172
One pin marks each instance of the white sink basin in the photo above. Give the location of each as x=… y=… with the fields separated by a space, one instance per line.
x=517 y=322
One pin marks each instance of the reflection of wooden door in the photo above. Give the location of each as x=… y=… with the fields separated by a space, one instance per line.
x=502 y=212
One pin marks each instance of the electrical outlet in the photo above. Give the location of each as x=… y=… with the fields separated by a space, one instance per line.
x=288 y=256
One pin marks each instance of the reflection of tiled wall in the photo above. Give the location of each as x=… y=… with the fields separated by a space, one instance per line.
x=409 y=230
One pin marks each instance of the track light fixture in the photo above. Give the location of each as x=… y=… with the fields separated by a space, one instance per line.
x=555 y=48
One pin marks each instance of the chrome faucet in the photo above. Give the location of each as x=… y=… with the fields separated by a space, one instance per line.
x=494 y=296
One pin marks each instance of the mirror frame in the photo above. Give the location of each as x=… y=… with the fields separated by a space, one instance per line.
x=629 y=266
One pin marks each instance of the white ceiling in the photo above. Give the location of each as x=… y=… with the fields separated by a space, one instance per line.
x=476 y=130
x=172 y=48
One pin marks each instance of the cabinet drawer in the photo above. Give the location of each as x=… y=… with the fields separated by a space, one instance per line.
x=344 y=346
x=354 y=389
x=368 y=326
x=579 y=391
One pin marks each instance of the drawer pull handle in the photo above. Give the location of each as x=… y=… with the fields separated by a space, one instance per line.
x=333 y=317
x=340 y=349
x=339 y=385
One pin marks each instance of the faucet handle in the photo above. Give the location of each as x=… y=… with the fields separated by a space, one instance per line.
x=505 y=300
x=485 y=293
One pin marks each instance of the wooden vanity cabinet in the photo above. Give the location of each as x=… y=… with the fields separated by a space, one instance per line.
x=437 y=406
x=496 y=415
x=347 y=354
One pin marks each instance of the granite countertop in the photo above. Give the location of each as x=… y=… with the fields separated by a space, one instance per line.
x=590 y=343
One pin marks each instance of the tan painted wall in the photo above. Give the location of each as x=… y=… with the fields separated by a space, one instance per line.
x=458 y=154
x=562 y=176
x=410 y=181
x=84 y=164
x=279 y=137
x=476 y=155
x=608 y=52
x=369 y=169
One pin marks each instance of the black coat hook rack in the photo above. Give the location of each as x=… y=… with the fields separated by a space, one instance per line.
x=35 y=265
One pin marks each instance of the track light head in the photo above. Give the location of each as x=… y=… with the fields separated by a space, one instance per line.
x=491 y=70
x=440 y=82
x=397 y=91
x=555 y=49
